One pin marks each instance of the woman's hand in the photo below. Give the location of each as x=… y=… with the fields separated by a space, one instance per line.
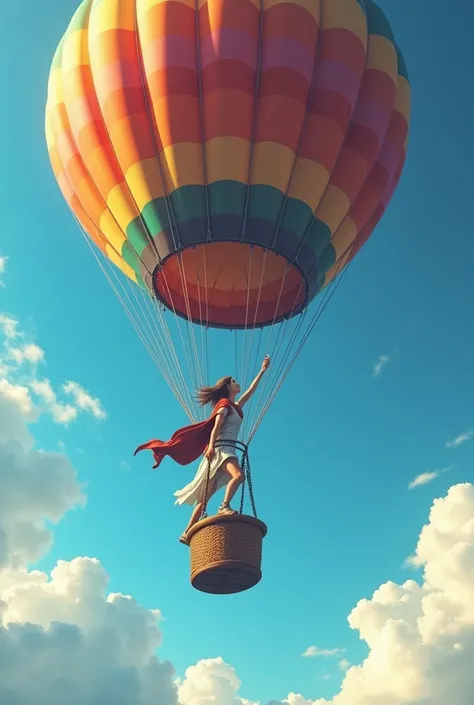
x=209 y=453
x=265 y=363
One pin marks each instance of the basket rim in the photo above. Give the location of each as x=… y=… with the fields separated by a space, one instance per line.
x=227 y=519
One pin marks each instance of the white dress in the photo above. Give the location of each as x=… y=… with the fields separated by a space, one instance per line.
x=229 y=431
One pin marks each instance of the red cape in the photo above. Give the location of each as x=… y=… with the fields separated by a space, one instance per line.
x=188 y=443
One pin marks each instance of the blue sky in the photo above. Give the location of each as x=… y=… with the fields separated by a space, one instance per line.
x=334 y=456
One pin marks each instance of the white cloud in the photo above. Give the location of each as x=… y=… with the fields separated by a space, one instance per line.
x=423 y=479
x=36 y=486
x=61 y=413
x=344 y=664
x=84 y=400
x=30 y=352
x=3 y=269
x=383 y=361
x=459 y=440
x=9 y=326
x=314 y=651
x=15 y=359
x=210 y=681
x=65 y=641
x=426 y=477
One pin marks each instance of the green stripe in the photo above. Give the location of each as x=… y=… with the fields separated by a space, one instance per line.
x=58 y=56
x=229 y=198
x=377 y=22
x=402 y=67
x=80 y=18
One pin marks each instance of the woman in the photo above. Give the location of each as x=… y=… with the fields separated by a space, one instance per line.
x=188 y=443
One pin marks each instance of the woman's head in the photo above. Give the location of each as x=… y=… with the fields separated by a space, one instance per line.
x=224 y=388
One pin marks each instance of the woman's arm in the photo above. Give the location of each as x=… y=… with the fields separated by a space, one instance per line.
x=250 y=391
x=215 y=430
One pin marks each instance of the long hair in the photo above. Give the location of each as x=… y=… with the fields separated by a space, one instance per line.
x=211 y=395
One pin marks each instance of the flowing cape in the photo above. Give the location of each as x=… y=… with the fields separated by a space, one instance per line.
x=187 y=443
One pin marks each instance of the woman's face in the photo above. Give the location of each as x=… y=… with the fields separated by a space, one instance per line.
x=234 y=386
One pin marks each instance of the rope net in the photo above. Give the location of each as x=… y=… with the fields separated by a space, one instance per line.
x=189 y=355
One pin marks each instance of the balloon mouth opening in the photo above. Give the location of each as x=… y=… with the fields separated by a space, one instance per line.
x=230 y=285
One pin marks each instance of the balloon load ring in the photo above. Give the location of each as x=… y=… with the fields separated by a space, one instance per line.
x=226 y=550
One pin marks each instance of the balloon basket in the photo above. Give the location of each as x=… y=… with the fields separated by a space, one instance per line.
x=226 y=553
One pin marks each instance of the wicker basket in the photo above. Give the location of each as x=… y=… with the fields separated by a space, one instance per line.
x=226 y=553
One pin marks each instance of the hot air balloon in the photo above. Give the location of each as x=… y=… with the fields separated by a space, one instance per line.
x=226 y=160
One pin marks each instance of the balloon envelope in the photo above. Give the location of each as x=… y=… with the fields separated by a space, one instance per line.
x=229 y=156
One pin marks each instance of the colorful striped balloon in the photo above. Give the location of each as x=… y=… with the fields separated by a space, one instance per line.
x=230 y=156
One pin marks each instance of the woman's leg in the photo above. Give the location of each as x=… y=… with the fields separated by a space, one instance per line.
x=232 y=468
x=198 y=508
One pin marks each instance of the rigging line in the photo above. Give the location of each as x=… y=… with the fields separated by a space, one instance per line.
x=201 y=118
x=295 y=356
x=335 y=285
x=206 y=330
x=272 y=325
x=305 y=121
x=161 y=331
x=284 y=325
x=201 y=327
x=174 y=353
x=249 y=356
x=168 y=204
x=251 y=403
x=125 y=308
x=157 y=351
x=254 y=117
x=197 y=380
x=249 y=282
x=273 y=381
x=343 y=145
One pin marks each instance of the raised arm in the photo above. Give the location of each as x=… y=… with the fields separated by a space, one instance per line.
x=251 y=390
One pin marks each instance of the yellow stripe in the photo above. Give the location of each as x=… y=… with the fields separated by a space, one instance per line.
x=344 y=236
x=334 y=207
x=227 y=158
x=182 y=165
x=121 y=205
x=403 y=100
x=143 y=6
x=145 y=181
x=272 y=165
x=313 y=7
x=308 y=182
x=111 y=231
x=336 y=268
x=49 y=132
x=382 y=56
x=345 y=14
x=111 y=14
x=120 y=263
x=75 y=50
x=55 y=89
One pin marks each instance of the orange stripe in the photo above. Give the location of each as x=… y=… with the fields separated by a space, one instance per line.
x=292 y=22
x=228 y=112
x=167 y=18
x=322 y=141
x=178 y=119
x=285 y=82
x=342 y=45
x=280 y=119
x=114 y=45
x=233 y=14
x=351 y=172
